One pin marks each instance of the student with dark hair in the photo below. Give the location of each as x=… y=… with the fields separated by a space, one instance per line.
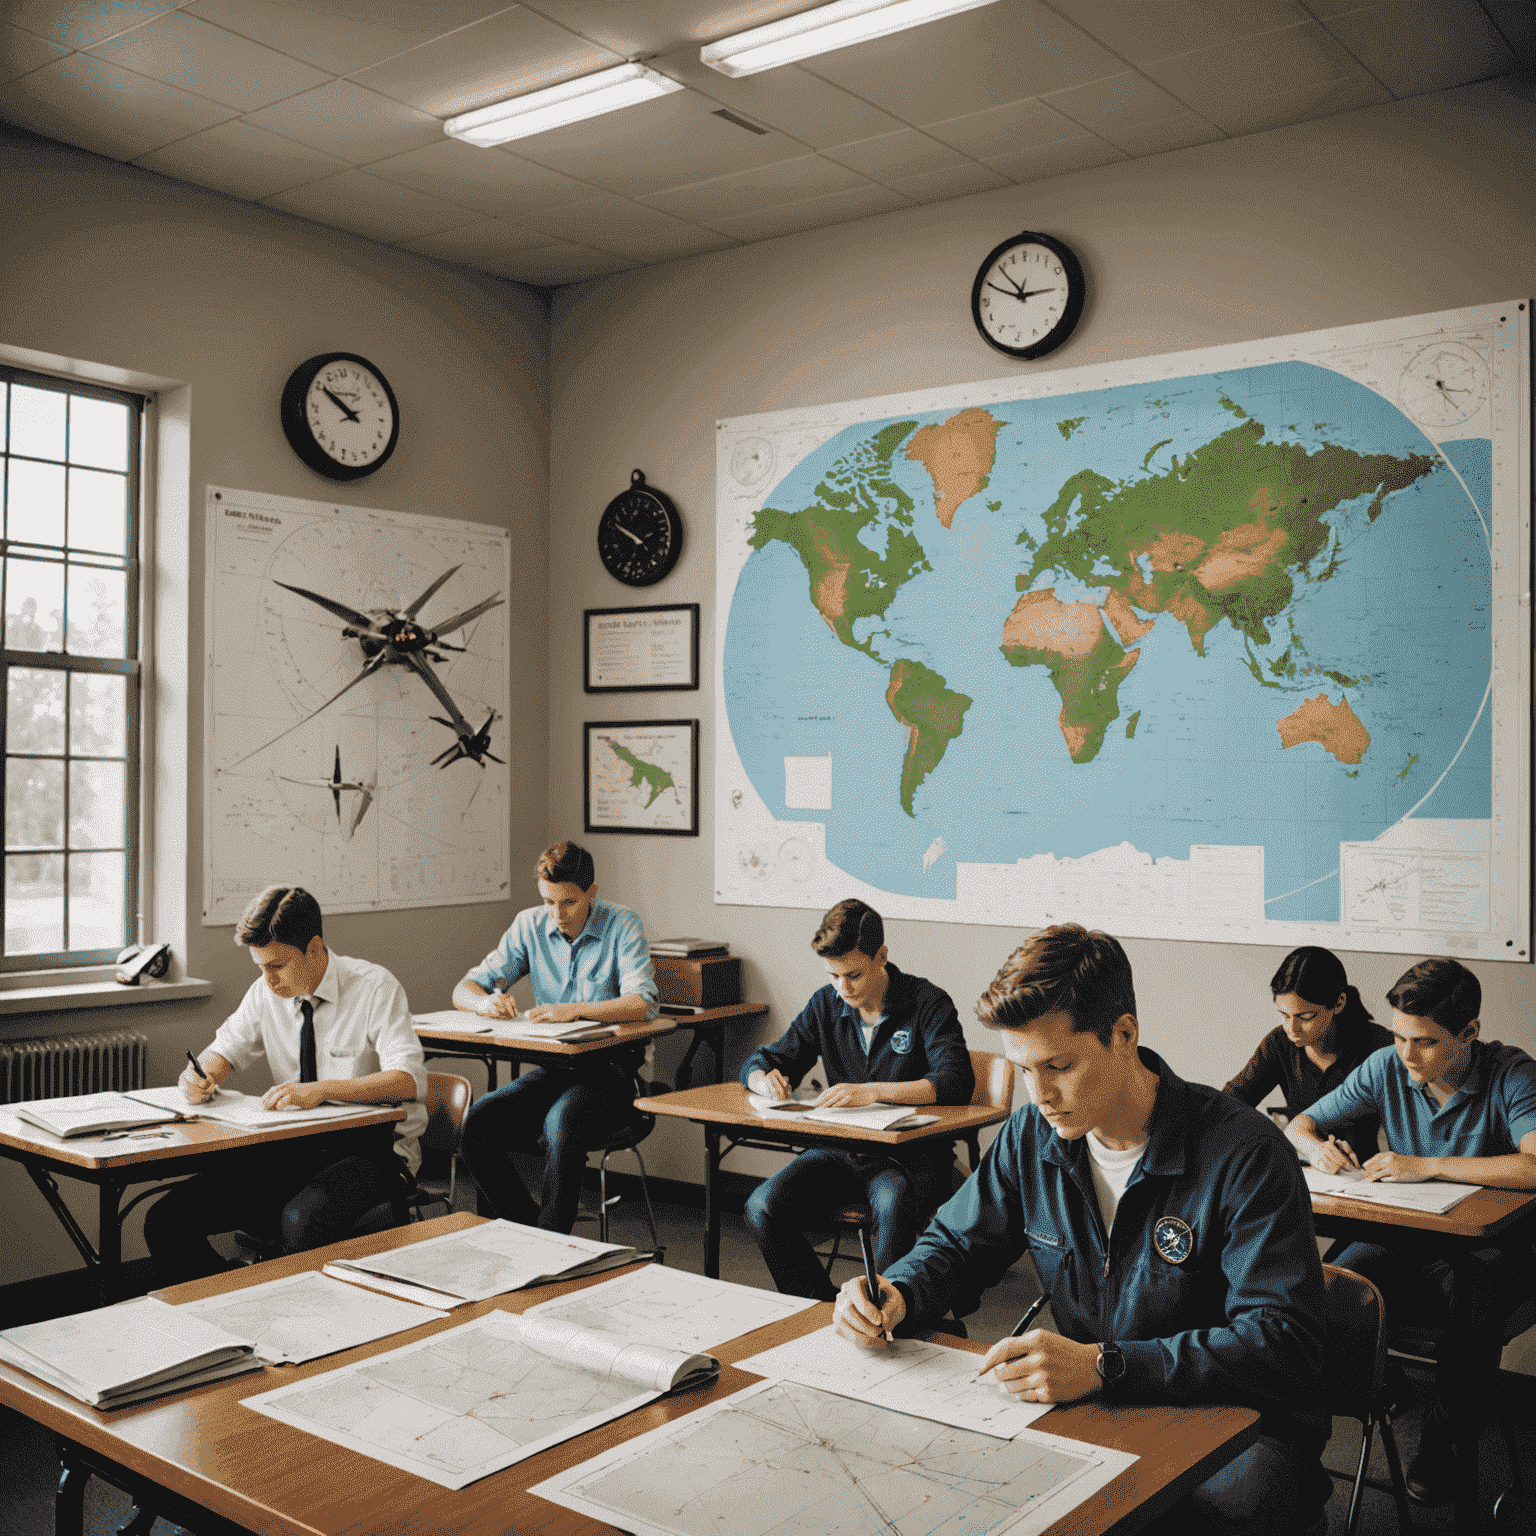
x=1456 y=1108
x=587 y=959
x=883 y=1037
x=329 y=1028
x=1324 y=1033
x=1169 y=1225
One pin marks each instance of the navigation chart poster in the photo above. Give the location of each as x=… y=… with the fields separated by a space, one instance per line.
x=1223 y=645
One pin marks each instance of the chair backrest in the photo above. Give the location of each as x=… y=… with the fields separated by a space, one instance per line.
x=1357 y=1342
x=448 y=1100
x=994 y=1079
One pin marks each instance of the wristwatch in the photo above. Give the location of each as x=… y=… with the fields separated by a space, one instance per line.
x=1111 y=1364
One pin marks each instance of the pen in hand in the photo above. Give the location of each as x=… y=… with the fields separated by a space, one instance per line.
x=1346 y=1149
x=1036 y=1307
x=197 y=1066
x=871 y=1284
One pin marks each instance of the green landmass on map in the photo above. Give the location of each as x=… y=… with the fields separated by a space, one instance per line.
x=655 y=778
x=1089 y=688
x=933 y=716
x=1069 y=426
x=1130 y=726
x=1402 y=772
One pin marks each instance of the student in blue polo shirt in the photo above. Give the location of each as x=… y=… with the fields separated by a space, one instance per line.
x=1168 y=1223
x=587 y=959
x=1458 y=1108
x=883 y=1036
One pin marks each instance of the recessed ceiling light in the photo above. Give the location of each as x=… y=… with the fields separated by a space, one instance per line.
x=829 y=26
x=590 y=96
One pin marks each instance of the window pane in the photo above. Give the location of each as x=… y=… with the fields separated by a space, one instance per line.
x=97 y=919
x=35 y=503
x=98 y=611
x=98 y=433
x=98 y=714
x=97 y=792
x=34 y=903
x=98 y=511
x=37 y=422
x=34 y=711
x=34 y=803
x=34 y=605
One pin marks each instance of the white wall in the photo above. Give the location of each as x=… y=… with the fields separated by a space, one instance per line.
x=132 y=273
x=1397 y=210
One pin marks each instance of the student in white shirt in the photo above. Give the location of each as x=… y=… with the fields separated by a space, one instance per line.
x=329 y=1028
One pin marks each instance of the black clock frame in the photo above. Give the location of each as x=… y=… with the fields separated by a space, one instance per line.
x=296 y=422
x=638 y=486
x=1077 y=290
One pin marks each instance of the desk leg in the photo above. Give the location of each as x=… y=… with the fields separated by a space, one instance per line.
x=109 y=1239
x=69 y=1498
x=711 y=1203
x=717 y=1048
x=685 y=1066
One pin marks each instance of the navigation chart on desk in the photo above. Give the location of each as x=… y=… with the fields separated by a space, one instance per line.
x=1232 y=644
x=786 y=1460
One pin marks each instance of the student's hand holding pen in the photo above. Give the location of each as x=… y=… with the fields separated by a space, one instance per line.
x=773 y=1085
x=1332 y=1155
x=1040 y=1366
x=858 y=1318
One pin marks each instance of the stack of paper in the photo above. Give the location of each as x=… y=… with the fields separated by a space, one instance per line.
x=868 y=1117
x=689 y=949
x=90 y=1114
x=1431 y=1197
x=119 y=1355
x=520 y=1027
x=230 y=1107
x=455 y=1019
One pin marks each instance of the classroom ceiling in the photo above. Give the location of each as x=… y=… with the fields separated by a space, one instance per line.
x=333 y=109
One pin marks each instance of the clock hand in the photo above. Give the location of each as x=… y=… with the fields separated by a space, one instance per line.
x=1033 y=291
x=628 y=535
x=341 y=405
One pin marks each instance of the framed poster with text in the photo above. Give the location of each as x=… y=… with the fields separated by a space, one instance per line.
x=641 y=650
x=642 y=776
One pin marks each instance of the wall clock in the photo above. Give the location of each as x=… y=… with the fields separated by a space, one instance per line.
x=639 y=535
x=1028 y=295
x=340 y=415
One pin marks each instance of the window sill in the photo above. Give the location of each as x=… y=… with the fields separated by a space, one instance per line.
x=79 y=996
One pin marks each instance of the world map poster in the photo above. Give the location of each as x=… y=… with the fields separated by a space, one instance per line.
x=1232 y=644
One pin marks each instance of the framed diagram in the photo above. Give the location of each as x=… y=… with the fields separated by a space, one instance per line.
x=641 y=776
x=641 y=650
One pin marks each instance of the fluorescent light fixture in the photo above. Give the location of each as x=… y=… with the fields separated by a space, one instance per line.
x=591 y=96
x=829 y=26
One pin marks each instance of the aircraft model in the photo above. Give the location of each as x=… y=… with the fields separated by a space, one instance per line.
x=365 y=789
x=396 y=639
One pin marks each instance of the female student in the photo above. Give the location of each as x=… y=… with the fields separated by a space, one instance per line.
x=1324 y=1033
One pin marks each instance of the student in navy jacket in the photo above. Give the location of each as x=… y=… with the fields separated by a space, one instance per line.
x=883 y=1036
x=1169 y=1225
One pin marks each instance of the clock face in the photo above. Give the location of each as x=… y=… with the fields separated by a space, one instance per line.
x=1028 y=295
x=640 y=535
x=340 y=415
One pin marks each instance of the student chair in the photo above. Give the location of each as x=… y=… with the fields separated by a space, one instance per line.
x=1354 y=1377
x=626 y=1138
x=448 y=1101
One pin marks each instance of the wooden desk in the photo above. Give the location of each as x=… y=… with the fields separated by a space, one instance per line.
x=725 y=1114
x=1503 y=1216
x=201 y=1460
x=202 y=1144
x=495 y=1048
x=709 y=1026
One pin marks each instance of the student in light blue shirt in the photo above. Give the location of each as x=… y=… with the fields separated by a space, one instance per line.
x=587 y=959
x=1458 y=1108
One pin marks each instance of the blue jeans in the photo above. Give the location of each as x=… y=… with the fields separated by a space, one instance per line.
x=549 y=1111
x=901 y=1197
x=1273 y=1489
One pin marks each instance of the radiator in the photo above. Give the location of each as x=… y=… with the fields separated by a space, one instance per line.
x=69 y=1064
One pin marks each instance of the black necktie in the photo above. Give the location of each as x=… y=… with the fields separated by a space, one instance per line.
x=307 y=1072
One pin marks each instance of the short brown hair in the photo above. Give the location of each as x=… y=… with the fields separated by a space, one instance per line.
x=1443 y=991
x=566 y=863
x=1063 y=969
x=850 y=925
x=282 y=914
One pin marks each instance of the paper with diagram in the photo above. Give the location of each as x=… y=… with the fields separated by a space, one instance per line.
x=672 y=1308
x=908 y=1375
x=302 y=1317
x=473 y=1399
x=827 y=1464
x=1432 y=1197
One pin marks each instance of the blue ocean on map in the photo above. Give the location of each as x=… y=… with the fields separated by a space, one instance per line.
x=1195 y=754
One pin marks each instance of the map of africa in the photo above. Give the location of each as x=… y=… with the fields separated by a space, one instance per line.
x=1219 y=645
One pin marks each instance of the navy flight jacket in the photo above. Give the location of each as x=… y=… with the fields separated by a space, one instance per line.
x=1239 y=1320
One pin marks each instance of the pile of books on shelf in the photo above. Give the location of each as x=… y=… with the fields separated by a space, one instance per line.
x=688 y=949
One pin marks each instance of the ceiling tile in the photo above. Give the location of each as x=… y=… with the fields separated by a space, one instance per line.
x=1279 y=108
x=767 y=186
x=344 y=119
x=86 y=101
x=801 y=105
x=369 y=205
x=79 y=25
x=1004 y=130
x=342 y=35
x=965 y=63
x=1516 y=20
x=488 y=180
x=1413 y=46
x=503 y=56
x=609 y=223
x=199 y=57
x=243 y=160
x=23 y=51
x=665 y=143
x=1133 y=114
x=893 y=155
x=553 y=265
x=649 y=26
x=1147 y=31
x=813 y=213
x=479 y=244
x=953 y=181
x=1079 y=153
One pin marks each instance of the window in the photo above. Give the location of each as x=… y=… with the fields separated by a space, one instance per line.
x=69 y=454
